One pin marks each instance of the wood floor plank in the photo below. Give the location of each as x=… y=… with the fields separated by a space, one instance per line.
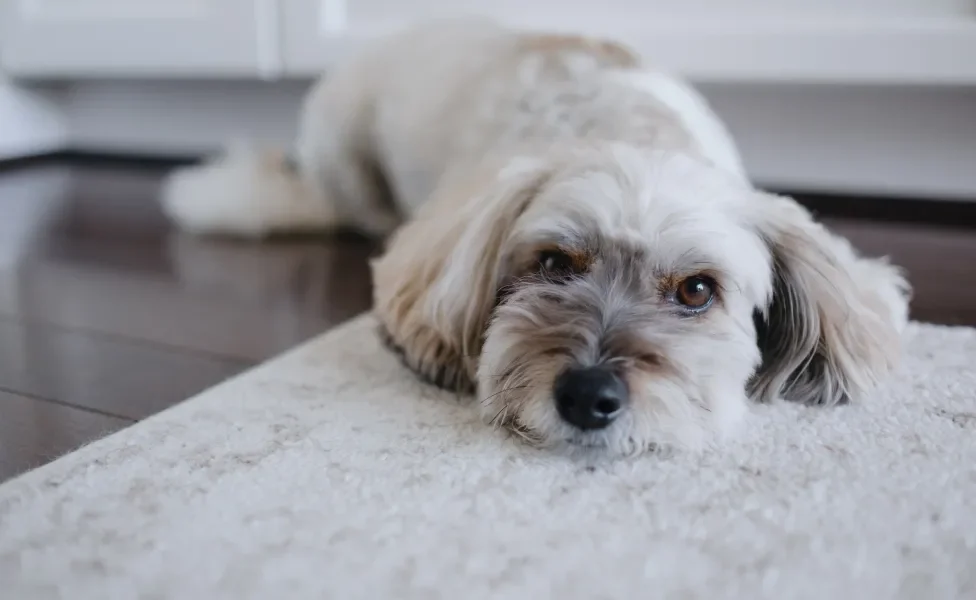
x=939 y=262
x=162 y=312
x=112 y=376
x=33 y=432
x=89 y=249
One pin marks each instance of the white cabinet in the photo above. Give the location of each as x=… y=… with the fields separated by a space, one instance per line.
x=314 y=34
x=77 y=38
x=617 y=15
x=829 y=41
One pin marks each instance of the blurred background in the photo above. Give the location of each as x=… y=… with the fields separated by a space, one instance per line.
x=863 y=109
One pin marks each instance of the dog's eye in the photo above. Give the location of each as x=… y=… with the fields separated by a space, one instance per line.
x=556 y=263
x=695 y=292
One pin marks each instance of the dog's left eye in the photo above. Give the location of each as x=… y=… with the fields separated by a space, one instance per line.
x=695 y=293
x=556 y=263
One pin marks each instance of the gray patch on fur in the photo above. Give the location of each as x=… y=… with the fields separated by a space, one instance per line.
x=793 y=364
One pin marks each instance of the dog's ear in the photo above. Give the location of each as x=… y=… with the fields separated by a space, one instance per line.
x=436 y=283
x=831 y=329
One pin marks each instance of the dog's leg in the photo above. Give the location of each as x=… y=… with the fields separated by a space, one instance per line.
x=336 y=150
x=329 y=180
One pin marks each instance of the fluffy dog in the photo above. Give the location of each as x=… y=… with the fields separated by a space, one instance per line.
x=581 y=245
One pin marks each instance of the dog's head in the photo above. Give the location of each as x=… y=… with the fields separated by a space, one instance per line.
x=625 y=299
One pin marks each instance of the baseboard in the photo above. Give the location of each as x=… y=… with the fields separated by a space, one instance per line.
x=90 y=156
x=944 y=212
x=96 y=157
x=21 y=161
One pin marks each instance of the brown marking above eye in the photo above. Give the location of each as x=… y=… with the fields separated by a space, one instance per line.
x=649 y=359
x=696 y=292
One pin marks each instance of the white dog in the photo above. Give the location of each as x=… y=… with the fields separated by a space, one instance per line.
x=581 y=244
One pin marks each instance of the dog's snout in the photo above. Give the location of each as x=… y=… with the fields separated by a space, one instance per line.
x=590 y=397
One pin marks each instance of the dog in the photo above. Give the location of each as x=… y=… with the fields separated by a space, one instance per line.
x=571 y=235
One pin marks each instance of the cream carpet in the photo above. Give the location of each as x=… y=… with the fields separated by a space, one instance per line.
x=331 y=473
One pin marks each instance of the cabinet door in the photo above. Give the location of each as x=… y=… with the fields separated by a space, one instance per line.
x=141 y=38
x=827 y=41
x=314 y=35
x=623 y=15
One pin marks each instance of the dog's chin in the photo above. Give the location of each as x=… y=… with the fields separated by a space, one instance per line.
x=608 y=443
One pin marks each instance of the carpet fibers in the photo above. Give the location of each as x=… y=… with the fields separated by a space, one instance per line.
x=330 y=473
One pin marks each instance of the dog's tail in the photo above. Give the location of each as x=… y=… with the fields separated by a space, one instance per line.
x=246 y=191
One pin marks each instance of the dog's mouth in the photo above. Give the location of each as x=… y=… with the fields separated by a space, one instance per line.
x=579 y=444
x=578 y=441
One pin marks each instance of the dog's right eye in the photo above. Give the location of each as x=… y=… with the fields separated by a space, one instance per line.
x=556 y=263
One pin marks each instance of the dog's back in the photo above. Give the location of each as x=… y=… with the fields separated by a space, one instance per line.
x=449 y=94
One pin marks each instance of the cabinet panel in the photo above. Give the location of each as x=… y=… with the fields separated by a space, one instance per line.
x=315 y=34
x=631 y=14
x=140 y=38
x=823 y=41
x=883 y=41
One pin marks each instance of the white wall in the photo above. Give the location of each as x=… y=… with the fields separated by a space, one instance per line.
x=915 y=141
x=31 y=121
x=180 y=118
x=911 y=141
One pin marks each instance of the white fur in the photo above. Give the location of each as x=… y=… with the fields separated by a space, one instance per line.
x=695 y=114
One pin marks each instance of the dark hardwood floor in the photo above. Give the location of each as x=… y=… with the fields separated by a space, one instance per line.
x=108 y=316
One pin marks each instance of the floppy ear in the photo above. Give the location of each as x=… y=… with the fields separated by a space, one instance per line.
x=436 y=284
x=832 y=327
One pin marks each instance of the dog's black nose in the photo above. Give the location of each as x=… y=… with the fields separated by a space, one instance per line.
x=590 y=397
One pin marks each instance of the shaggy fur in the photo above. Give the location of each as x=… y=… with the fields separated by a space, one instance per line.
x=499 y=148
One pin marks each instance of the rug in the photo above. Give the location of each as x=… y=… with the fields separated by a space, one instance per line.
x=330 y=472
